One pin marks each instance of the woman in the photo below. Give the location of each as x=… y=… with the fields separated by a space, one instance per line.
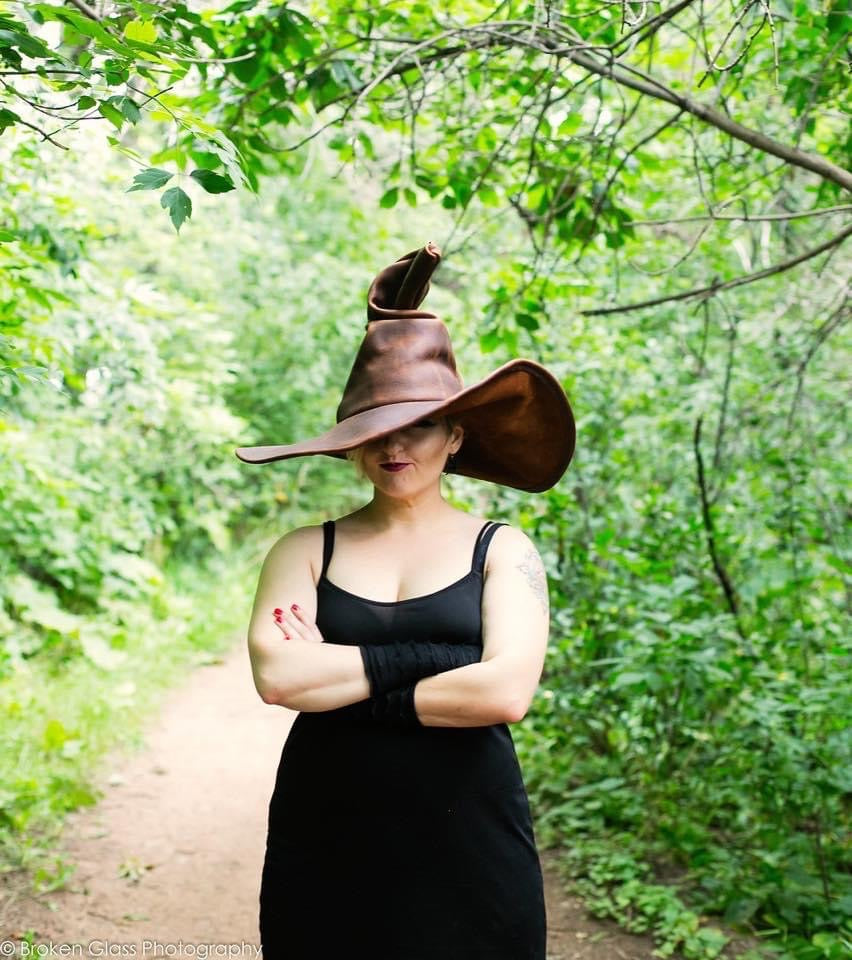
x=409 y=634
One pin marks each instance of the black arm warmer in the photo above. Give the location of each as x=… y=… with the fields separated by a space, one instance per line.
x=392 y=665
x=396 y=707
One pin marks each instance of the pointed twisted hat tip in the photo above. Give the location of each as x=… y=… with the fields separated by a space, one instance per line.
x=400 y=288
x=415 y=283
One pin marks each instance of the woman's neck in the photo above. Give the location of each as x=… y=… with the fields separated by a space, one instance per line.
x=419 y=511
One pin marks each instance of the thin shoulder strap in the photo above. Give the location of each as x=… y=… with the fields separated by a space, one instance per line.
x=327 y=544
x=482 y=541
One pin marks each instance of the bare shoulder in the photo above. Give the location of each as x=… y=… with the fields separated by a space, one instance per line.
x=513 y=558
x=299 y=545
x=509 y=547
x=289 y=574
x=298 y=539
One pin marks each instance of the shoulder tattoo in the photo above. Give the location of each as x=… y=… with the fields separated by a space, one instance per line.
x=533 y=569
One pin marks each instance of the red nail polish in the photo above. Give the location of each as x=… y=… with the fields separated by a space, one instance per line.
x=278 y=611
x=295 y=606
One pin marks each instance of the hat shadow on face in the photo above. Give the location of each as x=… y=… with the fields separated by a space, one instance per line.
x=356 y=454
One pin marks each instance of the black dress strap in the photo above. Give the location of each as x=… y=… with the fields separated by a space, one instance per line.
x=327 y=545
x=482 y=541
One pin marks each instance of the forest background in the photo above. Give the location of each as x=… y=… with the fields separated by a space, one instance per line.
x=651 y=199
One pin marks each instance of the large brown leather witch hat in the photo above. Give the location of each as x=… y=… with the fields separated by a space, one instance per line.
x=518 y=425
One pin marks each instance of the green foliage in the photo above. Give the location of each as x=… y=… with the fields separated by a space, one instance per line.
x=528 y=110
x=64 y=722
x=130 y=532
x=715 y=743
x=88 y=512
x=687 y=284
x=98 y=63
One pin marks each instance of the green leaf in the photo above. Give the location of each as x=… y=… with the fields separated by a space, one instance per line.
x=29 y=45
x=175 y=154
x=629 y=679
x=121 y=148
x=86 y=103
x=389 y=198
x=116 y=72
x=142 y=31
x=150 y=179
x=178 y=204
x=6 y=236
x=7 y=118
x=130 y=110
x=55 y=735
x=570 y=125
x=88 y=27
x=602 y=786
x=212 y=182
x=490 y=340
x=410 y=197
x=115 y=117
x=367 y=144
x=527 y=321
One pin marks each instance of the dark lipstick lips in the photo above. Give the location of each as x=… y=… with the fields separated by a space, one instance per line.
x=392 y=467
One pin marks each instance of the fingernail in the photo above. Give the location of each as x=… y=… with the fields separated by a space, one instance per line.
x=278 y=611
x=295 y=606
x=277 y=618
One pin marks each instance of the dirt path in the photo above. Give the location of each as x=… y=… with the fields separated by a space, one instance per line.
x=173 y=853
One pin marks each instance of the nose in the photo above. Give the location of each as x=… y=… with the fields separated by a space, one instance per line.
x=392 y=444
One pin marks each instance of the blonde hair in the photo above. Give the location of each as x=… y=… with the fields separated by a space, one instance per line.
x=356 y=455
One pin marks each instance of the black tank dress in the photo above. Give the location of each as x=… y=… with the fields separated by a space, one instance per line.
x=400 y=843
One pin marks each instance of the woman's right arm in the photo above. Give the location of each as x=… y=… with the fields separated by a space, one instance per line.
x=282 y=669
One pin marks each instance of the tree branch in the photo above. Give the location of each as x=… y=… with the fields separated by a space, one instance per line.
x=516 y=34
x=87 y=10
x=653 y=25
x=653 y=88
x=717 y=287
x=745 y=217
x=710 y=532
x=44 y=134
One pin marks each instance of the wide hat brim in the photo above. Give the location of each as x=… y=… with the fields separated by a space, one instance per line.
x=519 y=429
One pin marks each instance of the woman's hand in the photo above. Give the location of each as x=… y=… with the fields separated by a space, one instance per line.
x=295 y=625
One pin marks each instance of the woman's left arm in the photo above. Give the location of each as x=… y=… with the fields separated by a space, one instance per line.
x=515 y=629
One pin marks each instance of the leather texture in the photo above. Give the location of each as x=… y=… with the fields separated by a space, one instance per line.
x=518 y=422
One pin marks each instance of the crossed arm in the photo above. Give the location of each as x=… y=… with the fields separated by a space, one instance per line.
x=306 y=675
